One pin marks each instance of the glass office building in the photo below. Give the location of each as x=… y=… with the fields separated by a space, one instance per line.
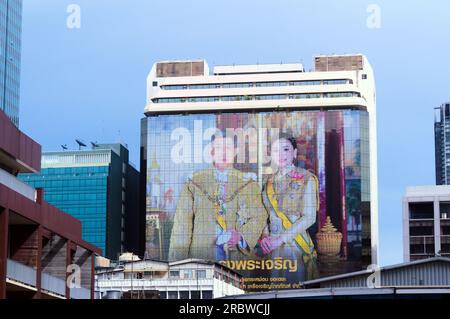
x=100 y=188
x=258 y=154
x=442 y=144
x=80 y=192
x=10 y=48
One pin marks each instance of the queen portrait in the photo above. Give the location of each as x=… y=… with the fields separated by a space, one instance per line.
x=290 y=195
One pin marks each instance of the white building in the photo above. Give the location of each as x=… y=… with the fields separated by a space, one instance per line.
x=186 y=279
x=426 y=222
x=337 y=82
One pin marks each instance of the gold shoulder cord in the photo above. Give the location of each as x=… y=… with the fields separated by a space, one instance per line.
x=214 y=199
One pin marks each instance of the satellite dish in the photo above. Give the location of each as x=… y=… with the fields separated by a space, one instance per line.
x=94 y=145
x=80 y=144
x=64 y=147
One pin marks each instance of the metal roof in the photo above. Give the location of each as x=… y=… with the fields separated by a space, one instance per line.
x=434 y=271
x=329 y=293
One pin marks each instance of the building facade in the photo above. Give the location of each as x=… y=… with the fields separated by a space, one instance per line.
x=442 y=144
x=186 y=279
x=10 y=54
x=426 y=222
x=329 y=112
x=100 y=188
x=40 y=246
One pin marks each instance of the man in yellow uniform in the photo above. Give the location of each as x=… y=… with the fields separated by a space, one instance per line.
x=220 y=215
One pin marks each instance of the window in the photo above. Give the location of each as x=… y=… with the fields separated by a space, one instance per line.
x=421 y=228
x=195 y=294
x=270 y=84
x=364 y=76
x=173 y=295
x=203 y=99
x=232 y=98
x=421 y=210
x=163 y=295
x=305 y=96
x=331 y=82
x=155 y=83
x=201 y=274
x=237 y=85
x=444 y=210
x=207 y=294
x=174 y=87
x=184 y=294
x=445 y=229
x=315 y=82
x=271 y=97
x=174 y=274
x=340 y=94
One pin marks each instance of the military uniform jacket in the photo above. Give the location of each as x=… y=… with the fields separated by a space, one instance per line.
x=194 y=231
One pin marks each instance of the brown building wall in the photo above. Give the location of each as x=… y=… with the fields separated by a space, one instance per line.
x=24 y=244
x=43 y=244
x=174 y=69
x=4 y=219
x=54 y=257
x=338 y=63
x=17 y=145
x=51 y=218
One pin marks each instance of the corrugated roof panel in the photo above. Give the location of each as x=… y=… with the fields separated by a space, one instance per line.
x=434 y=273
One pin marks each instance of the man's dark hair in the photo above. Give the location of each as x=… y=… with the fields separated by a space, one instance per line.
x=224 y=136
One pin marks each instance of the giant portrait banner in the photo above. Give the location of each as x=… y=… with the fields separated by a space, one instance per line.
x=281 y=197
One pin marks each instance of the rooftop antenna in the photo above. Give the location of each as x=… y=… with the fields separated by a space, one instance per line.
x=64 y=147
x=80 y=144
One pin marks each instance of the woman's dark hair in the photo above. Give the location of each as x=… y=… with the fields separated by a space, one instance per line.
x=290 y=138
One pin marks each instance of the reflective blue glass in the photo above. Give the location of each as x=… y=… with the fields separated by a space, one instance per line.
x=10 y=48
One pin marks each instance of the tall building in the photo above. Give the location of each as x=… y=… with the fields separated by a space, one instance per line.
x=426 y=222
x=101 y=189
x=40 y=246
x=442 y=144
x=328 y=118
x=10 y=52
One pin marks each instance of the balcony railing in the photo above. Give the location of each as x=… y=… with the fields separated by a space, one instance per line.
x=21 y=273
x=53 y=284
x=128 y=284
x=80 y=293
x=16 y=185
x=27 y=275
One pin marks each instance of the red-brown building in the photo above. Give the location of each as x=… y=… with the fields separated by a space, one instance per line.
x=42 y=254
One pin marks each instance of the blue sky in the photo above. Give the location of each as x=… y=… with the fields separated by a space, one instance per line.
x=89 y=83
